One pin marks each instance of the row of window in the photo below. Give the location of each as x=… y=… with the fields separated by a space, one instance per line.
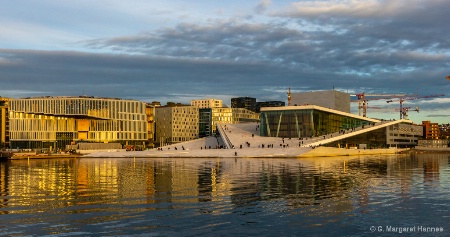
x=91 y=136
x=72 y=125
x=79 y=106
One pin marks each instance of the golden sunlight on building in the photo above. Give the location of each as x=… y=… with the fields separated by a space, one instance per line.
x=49 y=122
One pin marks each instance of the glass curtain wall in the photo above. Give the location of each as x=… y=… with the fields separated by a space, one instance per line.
x=305 y=123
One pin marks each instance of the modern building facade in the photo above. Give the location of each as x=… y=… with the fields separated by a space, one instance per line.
x=331 y=99
x=207 y=103
x=399 y=135
x=430 y=130
x=307 y=121
x=232 y=116
x=210 y=117
x=49 y=122
x=261 y=104
x=311 y=121
x=150 y=112
x=176 y=124
x=4 y=123
x=205 y=122
x=244 y=103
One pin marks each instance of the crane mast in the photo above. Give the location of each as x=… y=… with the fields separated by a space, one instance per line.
x=363 y=101
x=404 y=111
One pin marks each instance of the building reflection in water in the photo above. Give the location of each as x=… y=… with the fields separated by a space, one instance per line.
x=3 y=187
x=331 y=185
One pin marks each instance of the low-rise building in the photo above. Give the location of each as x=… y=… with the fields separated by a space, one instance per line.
x=444 y=131
x=434 y=143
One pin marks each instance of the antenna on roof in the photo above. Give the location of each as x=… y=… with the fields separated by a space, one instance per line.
x=289 y=96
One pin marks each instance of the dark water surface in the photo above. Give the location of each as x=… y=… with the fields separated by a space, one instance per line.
x=344 y=196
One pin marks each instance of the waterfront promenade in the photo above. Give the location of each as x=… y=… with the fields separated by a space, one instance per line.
x=243 y=140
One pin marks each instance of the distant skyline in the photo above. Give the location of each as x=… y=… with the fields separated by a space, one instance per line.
x=182 y=50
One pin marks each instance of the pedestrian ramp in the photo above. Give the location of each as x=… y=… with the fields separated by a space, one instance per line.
x=358 y=131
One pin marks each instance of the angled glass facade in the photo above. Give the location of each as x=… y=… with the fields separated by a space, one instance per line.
x=298 y=123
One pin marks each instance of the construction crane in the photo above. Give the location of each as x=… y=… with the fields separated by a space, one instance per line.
x=404 y=112
x=362 y=100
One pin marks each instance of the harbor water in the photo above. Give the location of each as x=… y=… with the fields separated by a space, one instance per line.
x=340 y=196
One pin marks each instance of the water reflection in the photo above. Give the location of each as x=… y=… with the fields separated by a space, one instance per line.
x=320 y=196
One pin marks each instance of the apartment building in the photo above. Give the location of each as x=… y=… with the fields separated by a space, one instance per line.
x=430 y=130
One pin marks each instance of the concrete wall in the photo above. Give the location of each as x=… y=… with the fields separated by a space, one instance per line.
x=329 y=99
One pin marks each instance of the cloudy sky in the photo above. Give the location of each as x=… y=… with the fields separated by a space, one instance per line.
x=178 y=50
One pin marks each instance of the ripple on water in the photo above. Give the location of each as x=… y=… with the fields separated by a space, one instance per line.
x=196 y=197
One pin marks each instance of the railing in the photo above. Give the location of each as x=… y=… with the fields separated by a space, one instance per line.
x=223 y=134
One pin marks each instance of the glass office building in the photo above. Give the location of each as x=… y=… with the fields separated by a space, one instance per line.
x=49 y=122
x=205 y=122
x=307 y=121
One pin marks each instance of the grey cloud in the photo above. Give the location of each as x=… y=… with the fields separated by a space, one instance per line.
x=262 y=6
x=135 y=76
x=394 y=52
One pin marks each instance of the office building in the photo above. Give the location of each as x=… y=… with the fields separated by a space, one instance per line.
x=244 y=103
x=205 y=122
x=176 y=124
x=331 y=99
x=49 y=122
x=207 y=103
